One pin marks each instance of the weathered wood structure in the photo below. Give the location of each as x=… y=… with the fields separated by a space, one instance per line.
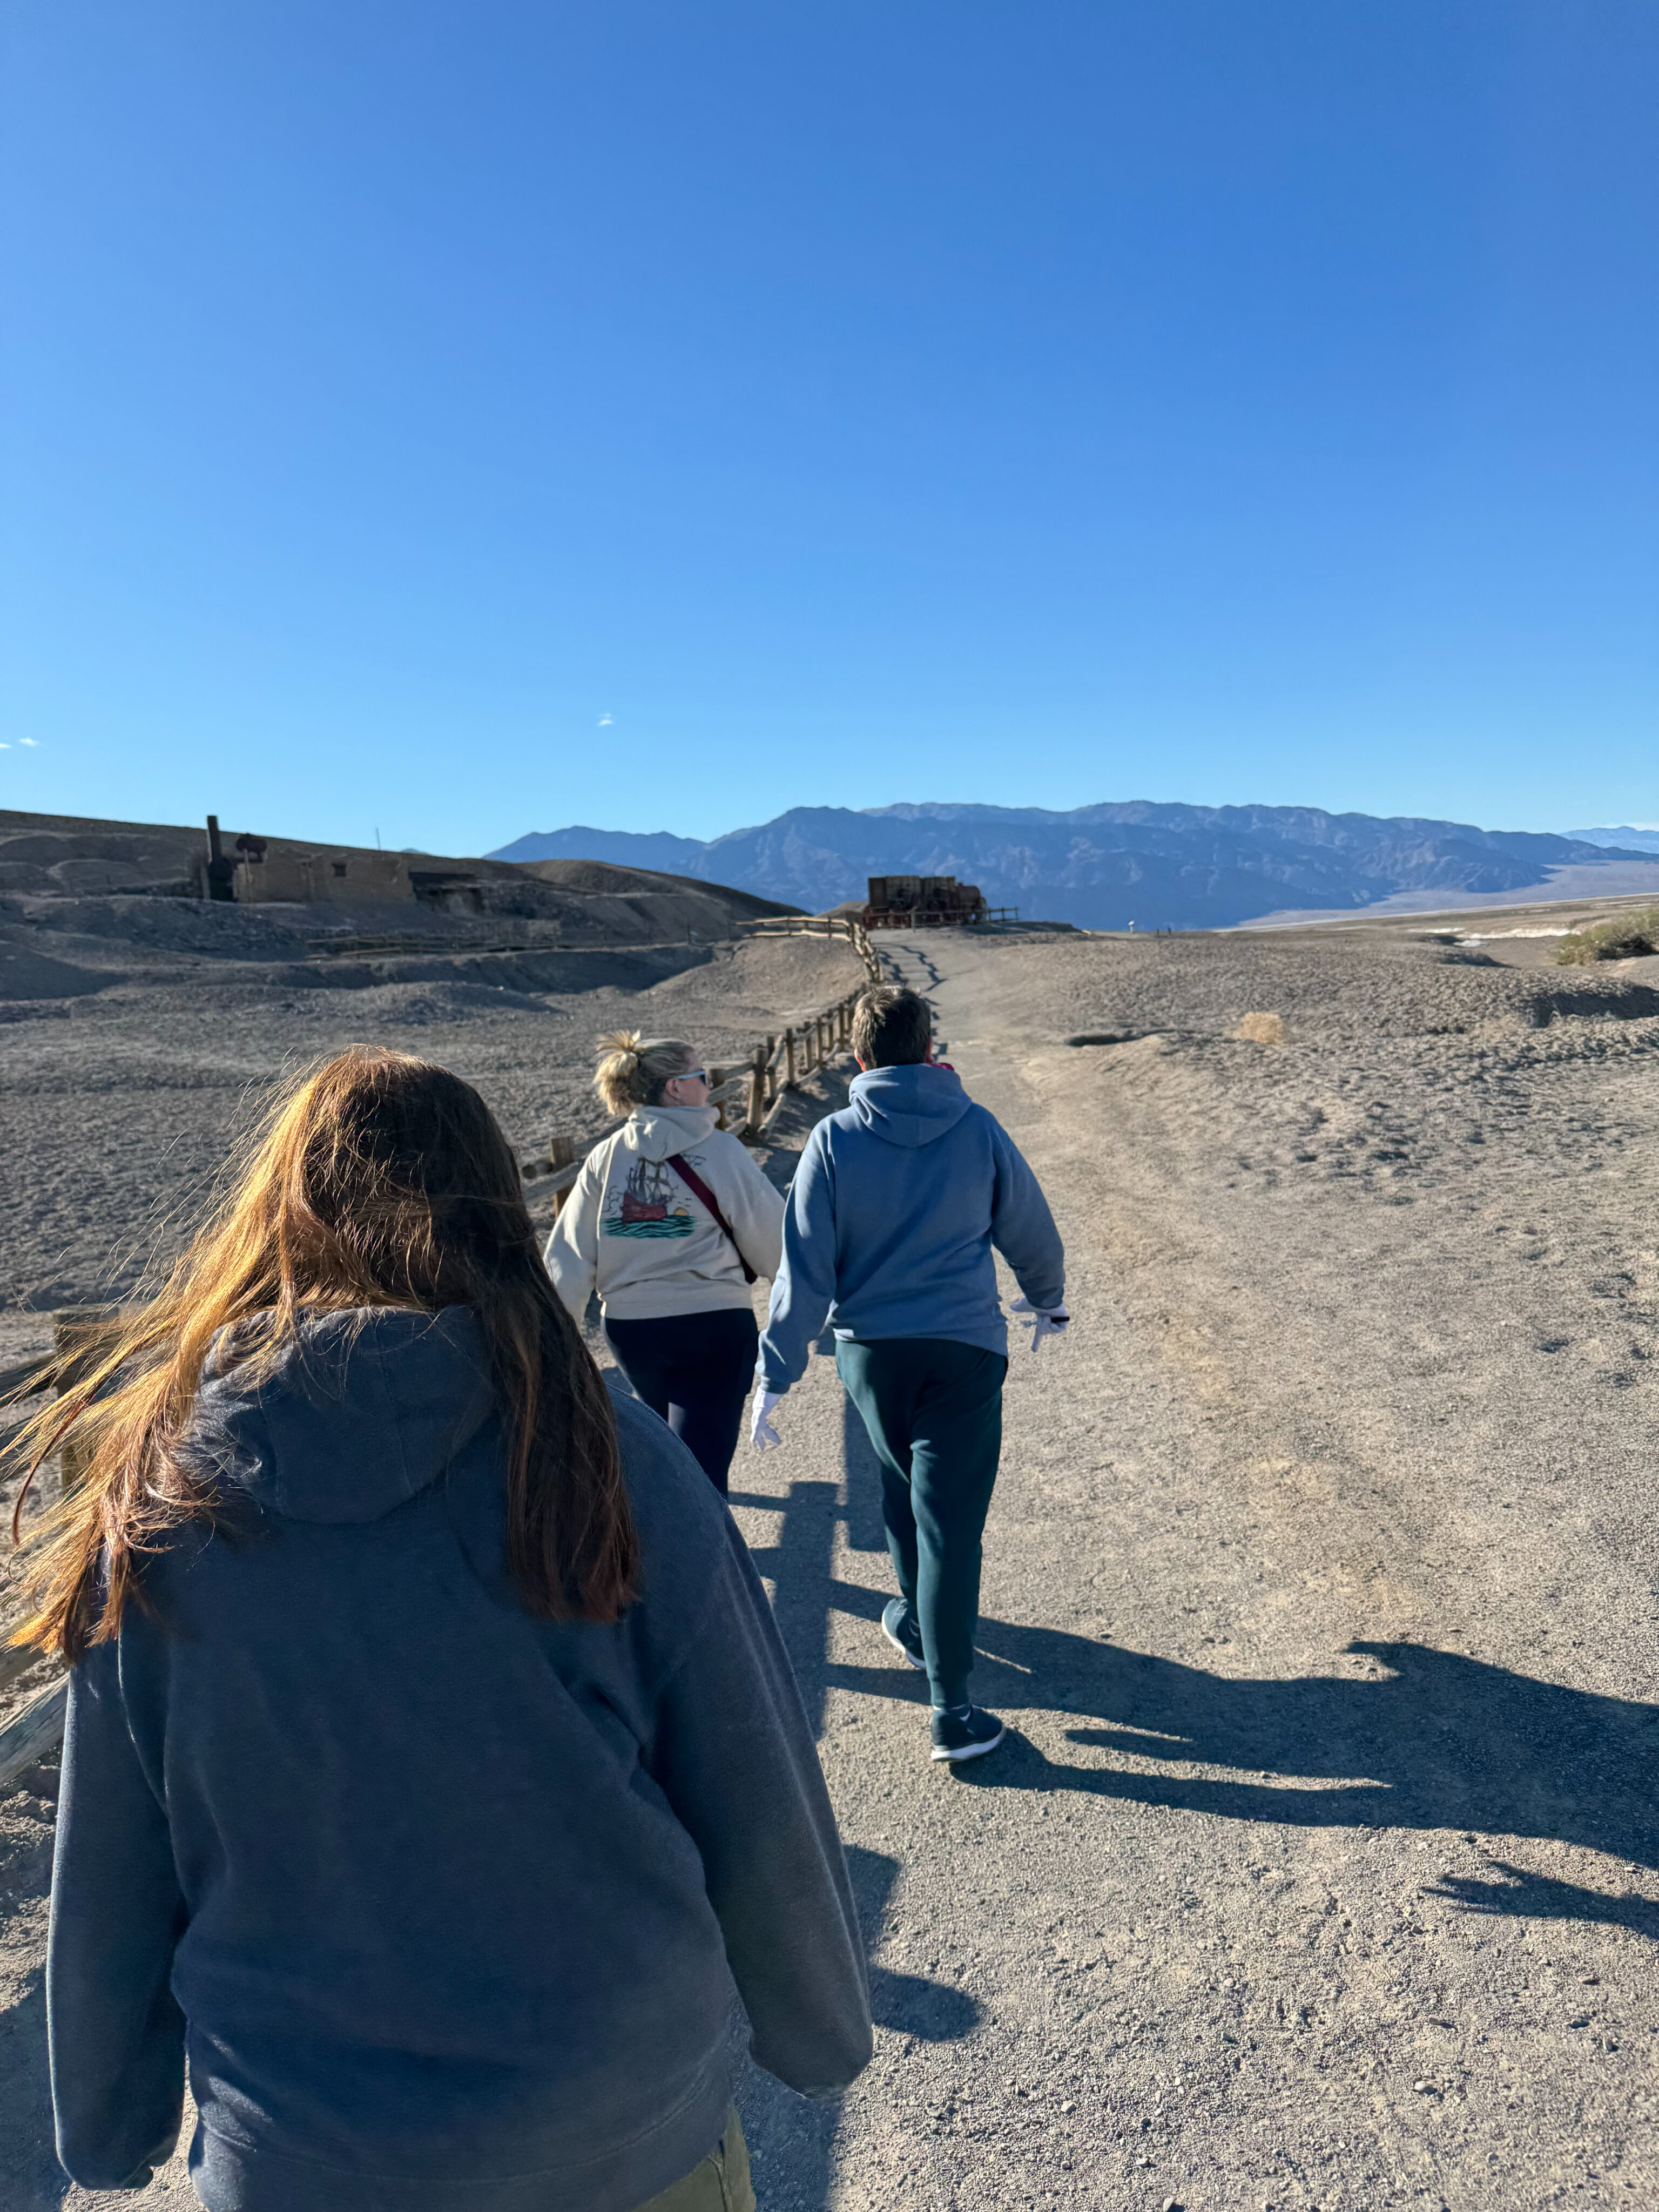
x=928 y=902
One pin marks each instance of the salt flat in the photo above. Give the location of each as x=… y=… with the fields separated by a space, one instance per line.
x=1323 y=1866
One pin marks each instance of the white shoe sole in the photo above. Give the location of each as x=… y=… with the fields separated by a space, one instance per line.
x=968 y=1750
x=909 y=1658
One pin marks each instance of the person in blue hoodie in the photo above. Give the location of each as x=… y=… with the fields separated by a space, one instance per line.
x=436 y=1789
x=893 y=1215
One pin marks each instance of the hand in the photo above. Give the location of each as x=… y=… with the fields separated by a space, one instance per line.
x=1046 y=1320
x=761 y=1434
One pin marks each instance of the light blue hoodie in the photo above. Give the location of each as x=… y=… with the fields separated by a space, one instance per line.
x=893 y=1211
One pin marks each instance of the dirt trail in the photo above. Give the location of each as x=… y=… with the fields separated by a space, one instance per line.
x=1319 y=1590
x=1319 y=1594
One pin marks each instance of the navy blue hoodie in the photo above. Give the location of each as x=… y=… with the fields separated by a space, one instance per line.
x=893 y=1211
x=448 y=1909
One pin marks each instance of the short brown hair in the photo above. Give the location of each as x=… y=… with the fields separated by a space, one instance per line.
x=891 y=1027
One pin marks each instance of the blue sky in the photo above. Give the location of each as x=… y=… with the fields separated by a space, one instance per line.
x=447 y=421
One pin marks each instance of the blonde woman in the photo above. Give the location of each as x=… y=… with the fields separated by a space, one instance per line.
x=670 y=1221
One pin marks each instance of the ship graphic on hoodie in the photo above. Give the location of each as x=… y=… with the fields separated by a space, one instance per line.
x=646 y=1204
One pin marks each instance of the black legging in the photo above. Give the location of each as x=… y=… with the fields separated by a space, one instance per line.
x=695 y=1370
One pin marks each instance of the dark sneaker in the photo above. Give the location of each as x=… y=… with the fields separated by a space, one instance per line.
x=965 y=1735
x=903 y=1632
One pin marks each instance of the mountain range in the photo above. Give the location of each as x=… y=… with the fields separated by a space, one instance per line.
x=1628 y=839
x=1105 y=866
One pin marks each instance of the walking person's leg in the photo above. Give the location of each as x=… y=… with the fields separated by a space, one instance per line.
x=710 y=1387
x=645 y=1352
x=719 y=2183
x=882 y=1387
x=693 y=1371
x=956 y=1441
x=934 y=1409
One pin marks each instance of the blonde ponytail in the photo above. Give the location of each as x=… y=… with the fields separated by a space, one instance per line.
x=633 y=1069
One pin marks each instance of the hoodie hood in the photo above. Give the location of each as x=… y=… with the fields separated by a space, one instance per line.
x=362 y=1412
x=908 y=1106
x=656 y=1132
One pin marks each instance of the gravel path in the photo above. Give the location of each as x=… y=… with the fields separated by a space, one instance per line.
x=1323 y=1868
x=1319 y=1590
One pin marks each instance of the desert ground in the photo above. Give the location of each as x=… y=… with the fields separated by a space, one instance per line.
x=1322 y=1868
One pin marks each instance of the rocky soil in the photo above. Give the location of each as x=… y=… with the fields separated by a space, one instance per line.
x=1322 y=1866
x=121 y=1100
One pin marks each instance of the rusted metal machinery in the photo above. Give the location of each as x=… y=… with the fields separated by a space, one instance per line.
x=924 y=902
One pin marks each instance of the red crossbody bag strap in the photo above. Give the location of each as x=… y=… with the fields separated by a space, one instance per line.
x=699 y=1189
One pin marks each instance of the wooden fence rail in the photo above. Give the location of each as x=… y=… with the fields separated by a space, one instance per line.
x=823 y=925
x=31 y=1733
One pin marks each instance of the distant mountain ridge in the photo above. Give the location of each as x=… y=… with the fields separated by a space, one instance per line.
x=1102 y=867
x=1629 y=839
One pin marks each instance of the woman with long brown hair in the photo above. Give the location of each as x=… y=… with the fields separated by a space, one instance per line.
x=435 y=1788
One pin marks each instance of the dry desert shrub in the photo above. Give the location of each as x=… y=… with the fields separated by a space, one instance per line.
x=1626 y=937
x=1260 y=1029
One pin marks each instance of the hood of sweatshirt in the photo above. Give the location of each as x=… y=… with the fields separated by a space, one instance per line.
x=909 y=1106
x=363 y=1410
x=656 y=1132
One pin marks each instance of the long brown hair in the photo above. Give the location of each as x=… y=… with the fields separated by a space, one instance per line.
x=378 y=1179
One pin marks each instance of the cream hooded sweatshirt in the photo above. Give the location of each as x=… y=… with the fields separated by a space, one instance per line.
x=631 y=1230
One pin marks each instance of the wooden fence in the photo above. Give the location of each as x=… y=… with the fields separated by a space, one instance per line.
x=511 y=936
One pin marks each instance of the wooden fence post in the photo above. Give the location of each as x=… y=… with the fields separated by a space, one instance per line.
x=560 y=1153
x=789 y=1056
x=33 y=1732
x=757 y=1085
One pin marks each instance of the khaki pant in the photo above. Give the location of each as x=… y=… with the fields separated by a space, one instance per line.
x=719 y=2183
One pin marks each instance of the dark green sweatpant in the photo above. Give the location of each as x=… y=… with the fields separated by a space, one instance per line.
x=933 y=1409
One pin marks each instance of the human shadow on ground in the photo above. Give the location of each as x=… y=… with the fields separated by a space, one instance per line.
x=33 y=2180
x=1439 y=1741
x=1535 y=1896
x=791 y=2138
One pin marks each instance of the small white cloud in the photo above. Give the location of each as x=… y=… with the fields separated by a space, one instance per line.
x=4 y=745
x=28 y=741
x=605 y=721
